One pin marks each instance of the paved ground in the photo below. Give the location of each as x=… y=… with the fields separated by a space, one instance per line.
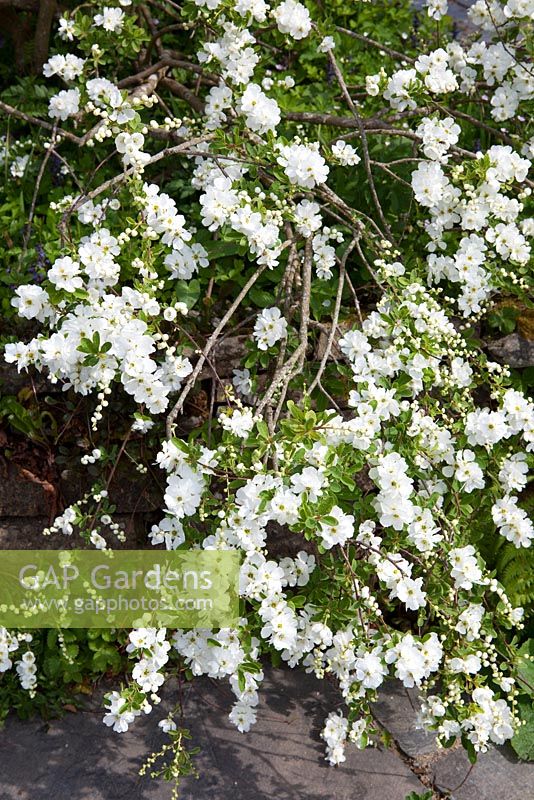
x=77 y=758
x=497 y=775
x=282 y=757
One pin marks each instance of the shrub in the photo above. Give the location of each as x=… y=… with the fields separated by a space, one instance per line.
x=349 y=191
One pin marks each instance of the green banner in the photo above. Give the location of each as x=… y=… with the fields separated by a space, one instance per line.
x=119 y=588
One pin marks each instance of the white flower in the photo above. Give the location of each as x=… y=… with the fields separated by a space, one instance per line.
x=345 y=153
x=513 y=473
x=111 y=19
x=310 y=480
x=293 y=18
x=32 y=302
x=167 y=725
x=410 y=593
x=67 y=67
x=242 y=382
x=26 y=670
x=334 y=734
x=467 y=471
x=243 y=716
x=513 y=522
x=169 y=532
x=470 y=621
x=238 y=421
x=429 y=183
x=130 y=146
x=98 y=540
x=370 y=670
x=183 y=492
x=262 y=114
x=437 y=8
x=65 y=274
x=307 y=217
x=257 y=8
x=465 y=570
x=65 y=104
x=66 y=29
x=119 y=715
x=303 y=165
x=486 y=428
x=327 y=44
x=438 y=135
x=337 y=532
x=270 y=327
x=18 y=166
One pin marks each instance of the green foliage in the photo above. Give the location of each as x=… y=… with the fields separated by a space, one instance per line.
x=523 y=741
x=32 y=422
x=514 y=567
x=174 y=761
x=69 y=661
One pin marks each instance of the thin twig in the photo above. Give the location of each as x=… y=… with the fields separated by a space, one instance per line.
x=208 y=347
x=295 y=362
x=28 y=230
x=367 y=40
x=365 y=145
x=335 y=316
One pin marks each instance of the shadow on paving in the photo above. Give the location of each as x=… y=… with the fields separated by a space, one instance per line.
x=282 y=757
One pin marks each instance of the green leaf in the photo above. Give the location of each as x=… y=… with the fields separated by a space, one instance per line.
x=263 y=430
x=525 y=668
x=523 y=741
x=261 y=298
x=220 y=249
x=188 y=292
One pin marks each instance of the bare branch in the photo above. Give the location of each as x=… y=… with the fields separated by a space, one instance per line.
x=176 y=409
x=15 y=112
x=365 y=146
x=335 y=316
x=374 y=43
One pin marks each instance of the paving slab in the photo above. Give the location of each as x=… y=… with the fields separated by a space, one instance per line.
x=396 y=710
x=497 y=775
x=282 y=757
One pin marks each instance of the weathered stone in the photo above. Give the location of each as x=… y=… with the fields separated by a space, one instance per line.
x=26 y=533
x=281 y=757
x=497 y=775
x=396 y=710
x=227 y=355
x=12 y=381
x=21 y=497
x=129 y=492
x=513 y=350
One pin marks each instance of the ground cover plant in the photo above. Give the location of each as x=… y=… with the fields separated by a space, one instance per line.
x=341 y=191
